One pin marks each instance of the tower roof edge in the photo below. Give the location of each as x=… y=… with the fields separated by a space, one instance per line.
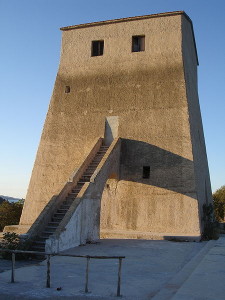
x=128 y=19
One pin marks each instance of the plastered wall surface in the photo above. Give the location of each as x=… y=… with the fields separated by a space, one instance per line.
x=203 y=185
x=147 y=91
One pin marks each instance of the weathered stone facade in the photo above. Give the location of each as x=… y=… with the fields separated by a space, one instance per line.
x=147 y=98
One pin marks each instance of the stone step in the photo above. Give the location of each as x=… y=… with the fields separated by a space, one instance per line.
x=44 y=238
x=95 y=166
x=47 y=233
x=62 y=210
x=39 y=243
x=38 y=248
x=41 y=238
x=58 y=215
x=68 y=202
x=53 y=224
x=85 y=179
x=72 y=197
x=50 y=228
x=55 y=219
x=65 y=206
x=75 y=193
x=90 y=168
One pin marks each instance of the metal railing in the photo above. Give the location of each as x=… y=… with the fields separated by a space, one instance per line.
x=48 y=270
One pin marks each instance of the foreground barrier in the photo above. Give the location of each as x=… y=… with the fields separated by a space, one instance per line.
x=48 y=270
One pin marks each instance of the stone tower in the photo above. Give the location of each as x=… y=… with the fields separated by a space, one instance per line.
x=131 y=83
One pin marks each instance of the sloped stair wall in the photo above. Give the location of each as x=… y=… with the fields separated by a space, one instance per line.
x=82 y=221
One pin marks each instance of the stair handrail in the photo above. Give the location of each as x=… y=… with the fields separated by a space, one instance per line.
x=48 y=265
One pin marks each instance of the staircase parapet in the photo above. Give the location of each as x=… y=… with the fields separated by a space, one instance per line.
x=76 y=215
x=107 y=156
x=74 y=177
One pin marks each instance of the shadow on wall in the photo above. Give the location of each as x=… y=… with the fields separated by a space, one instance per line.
x=148 y=164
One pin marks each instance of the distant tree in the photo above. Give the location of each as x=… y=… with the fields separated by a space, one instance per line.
x=2 y=200
x=219 y=204
x=20 y=202
x=10 y=213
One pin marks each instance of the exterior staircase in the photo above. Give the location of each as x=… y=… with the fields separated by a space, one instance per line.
x=39 y=243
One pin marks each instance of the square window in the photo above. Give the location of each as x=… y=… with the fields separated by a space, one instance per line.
x=67 y=89
x=138 y=43
x=146 y=172
x=97 y=48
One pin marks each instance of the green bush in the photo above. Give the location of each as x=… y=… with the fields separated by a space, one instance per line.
x=12 y=241
x=211 y=229
x=219 y=204
x=10 y=213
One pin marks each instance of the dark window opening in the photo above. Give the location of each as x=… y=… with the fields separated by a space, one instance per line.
x=97 y=48
x=67 y=89
x=138 y=43
x=146 y=172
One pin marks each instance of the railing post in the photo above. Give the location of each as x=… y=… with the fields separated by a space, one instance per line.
x=13 y=268
x=48 y=271
x=119 y=277
x=87 y=271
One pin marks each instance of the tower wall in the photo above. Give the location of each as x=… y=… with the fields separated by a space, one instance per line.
x=151 y=96
x=203 y=185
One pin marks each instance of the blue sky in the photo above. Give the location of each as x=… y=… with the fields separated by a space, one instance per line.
x=29 y=58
